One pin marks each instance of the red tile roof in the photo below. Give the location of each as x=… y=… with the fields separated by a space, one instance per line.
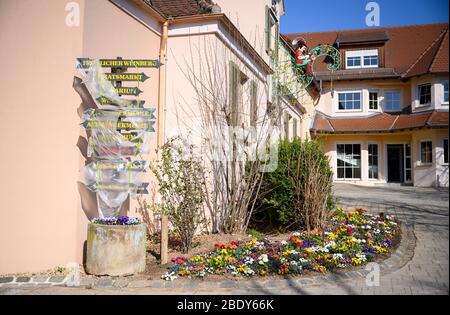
x=381 y=122
x=177 y=8
x=409 y=50
x=440 y=63
x=425 y=61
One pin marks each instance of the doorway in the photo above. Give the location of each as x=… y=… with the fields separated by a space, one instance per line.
x=395 y=163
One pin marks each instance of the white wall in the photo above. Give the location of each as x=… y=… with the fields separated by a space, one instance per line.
x=328 y=103
x=437 y=93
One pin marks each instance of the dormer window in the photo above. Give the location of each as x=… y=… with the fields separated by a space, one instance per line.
x=424 y=94
x=356 y=59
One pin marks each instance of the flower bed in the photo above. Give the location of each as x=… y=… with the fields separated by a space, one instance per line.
x=116 y=221
x=353 y=239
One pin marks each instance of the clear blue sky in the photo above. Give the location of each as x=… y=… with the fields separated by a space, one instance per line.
x=328 y=15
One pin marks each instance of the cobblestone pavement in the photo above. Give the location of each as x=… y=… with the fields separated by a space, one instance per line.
x=418 y=266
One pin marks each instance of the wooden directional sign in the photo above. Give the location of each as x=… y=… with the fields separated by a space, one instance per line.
x=144 y=125
x=129 y=103
x=121 y=63
x=115 y=138
x=106 y=151
x=148 y=113
x=128 y=91
x=141 y=77
x=105 y=165
x=139 y=188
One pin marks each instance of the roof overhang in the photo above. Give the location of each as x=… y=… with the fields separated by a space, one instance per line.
x=360 y=74
x=231 y=29
x=378 y=37
x=158 y=16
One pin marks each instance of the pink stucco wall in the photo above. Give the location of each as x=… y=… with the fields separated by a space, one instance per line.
x=42 y=224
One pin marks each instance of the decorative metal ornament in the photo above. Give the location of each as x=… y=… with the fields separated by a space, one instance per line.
x=293 y=77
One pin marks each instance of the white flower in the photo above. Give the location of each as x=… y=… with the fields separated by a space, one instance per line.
x=319 y=249
x=303 y=260
x=169 y=276
x=296 y=234
x=263 y=259
x=283 y=242
x=361 y=256
x=293 y=263
x=248 y=260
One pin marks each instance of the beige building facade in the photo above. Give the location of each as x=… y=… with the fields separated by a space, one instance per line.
x=45 y=209
x=383 y=116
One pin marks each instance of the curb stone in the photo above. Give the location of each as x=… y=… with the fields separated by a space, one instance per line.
x=40 y=279
x=137 y=284
x=23 y=279
x=6 y=279
x=56 y=279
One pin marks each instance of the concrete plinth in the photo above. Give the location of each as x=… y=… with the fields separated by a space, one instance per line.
x=116 y=250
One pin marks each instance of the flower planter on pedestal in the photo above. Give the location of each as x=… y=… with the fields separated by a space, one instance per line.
x=116 y=250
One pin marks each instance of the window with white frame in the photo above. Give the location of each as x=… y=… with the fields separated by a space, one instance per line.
x=349 y=101
x=361 y=59
x=373 y=161
x=392 y=101
x=353 y=62
x=445 y=146
x=424 y=93
x=373 y=100
x=426 y=152
x=445 y=91
x=349 y=161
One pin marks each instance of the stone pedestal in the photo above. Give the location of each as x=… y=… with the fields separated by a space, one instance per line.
x=116 y=250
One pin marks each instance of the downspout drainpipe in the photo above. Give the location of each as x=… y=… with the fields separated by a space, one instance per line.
x=161 y=126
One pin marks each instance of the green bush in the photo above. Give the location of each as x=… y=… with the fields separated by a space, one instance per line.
x=298 y=193
x=180 y=179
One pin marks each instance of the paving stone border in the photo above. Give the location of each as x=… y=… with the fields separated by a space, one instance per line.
x=399 y=258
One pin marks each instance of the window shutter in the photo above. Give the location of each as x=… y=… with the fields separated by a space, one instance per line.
x=233 y=91
x=254 y=104
x=267 y=28
x=294 y=127
x=286 y=125
x=277 y=36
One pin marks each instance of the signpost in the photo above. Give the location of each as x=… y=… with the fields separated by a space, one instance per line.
x=118 y=133
x=121 y=63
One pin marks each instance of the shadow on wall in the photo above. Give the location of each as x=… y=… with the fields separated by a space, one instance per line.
x=148 y=213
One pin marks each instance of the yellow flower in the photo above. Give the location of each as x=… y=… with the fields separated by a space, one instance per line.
x=356 y=261
x=197 y=259
x=332 y=237
x=380 y=249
